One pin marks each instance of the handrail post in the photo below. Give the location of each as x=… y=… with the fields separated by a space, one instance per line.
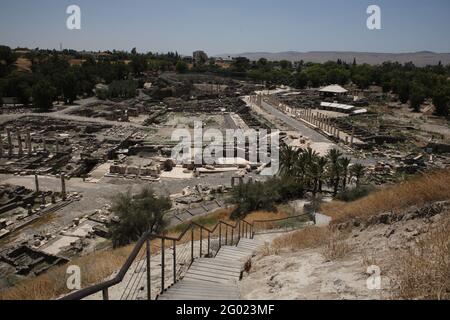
x=163 y=263
x=239 y=230
x=226 y=235
x=192 y=245
x=149 y=291
x=174 y=261
x=105 y=294
x=220 y=235
x=209 y=243
x=232 y=236
x=201 y=240
x=246 y=230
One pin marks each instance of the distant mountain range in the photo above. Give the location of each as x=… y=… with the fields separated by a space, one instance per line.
x=421 y=58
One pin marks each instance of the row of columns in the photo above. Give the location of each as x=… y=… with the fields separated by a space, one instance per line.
x=19 y=142
x=257 y=99
x=320 y=120
x=324 y=123
x=28 y=144
x=63 y=185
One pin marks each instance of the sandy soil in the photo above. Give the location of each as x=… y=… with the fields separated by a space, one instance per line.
x=308 y=275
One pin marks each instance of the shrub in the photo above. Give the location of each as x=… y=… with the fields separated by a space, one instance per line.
x=335 y=246
x=254 y=196
x=138 y=214
x=354 y=193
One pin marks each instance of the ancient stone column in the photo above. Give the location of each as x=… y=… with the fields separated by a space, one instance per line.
x=10 y=145
x=352 y=137
x=63 y=187
x=29 y=209
x=30 y=151
x=36 y=182
x=19 y=141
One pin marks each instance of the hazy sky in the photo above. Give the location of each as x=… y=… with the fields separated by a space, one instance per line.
x=228 y=26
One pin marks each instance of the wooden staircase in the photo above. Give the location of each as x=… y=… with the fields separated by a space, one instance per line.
x=214 y=278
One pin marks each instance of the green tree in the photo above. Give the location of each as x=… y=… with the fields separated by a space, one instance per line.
x=285 y=65
x=43 y=93
x=403 y=91
x=139 y=64
x=181 y=67
x=138 y=214
x=251 y=196
x=288 y=158
x=357 y=171
x=334 y=169
x=241 y=64
x=300 y=80
x=316 y=75
x=344 y=163
x=417 y=96
x=441 y=101
x=69 y=88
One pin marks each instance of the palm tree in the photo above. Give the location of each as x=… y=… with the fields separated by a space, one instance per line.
x=321 y=165
x=344 y=163
x=288 y=159
x=334 y=169
x=358 y=171
x=313 y=174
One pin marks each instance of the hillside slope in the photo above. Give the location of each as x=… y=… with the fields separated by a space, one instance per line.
x=334 y=264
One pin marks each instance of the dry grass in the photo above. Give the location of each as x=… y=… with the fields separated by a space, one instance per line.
x=94 y=267
x=331 y=241
x=423 y=271
x=309 y=237
x=417 y=191
x=335 y=246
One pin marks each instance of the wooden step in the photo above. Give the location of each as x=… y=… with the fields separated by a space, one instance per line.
x=224 y=272
x=214 y=278
x=210 y=291
x=210 y=274
x=198 y=284
x=205 y=279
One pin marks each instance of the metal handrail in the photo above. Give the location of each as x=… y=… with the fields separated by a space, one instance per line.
x=281 y=219
x=145 y=239
x=269 y=221
x=241 y=229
